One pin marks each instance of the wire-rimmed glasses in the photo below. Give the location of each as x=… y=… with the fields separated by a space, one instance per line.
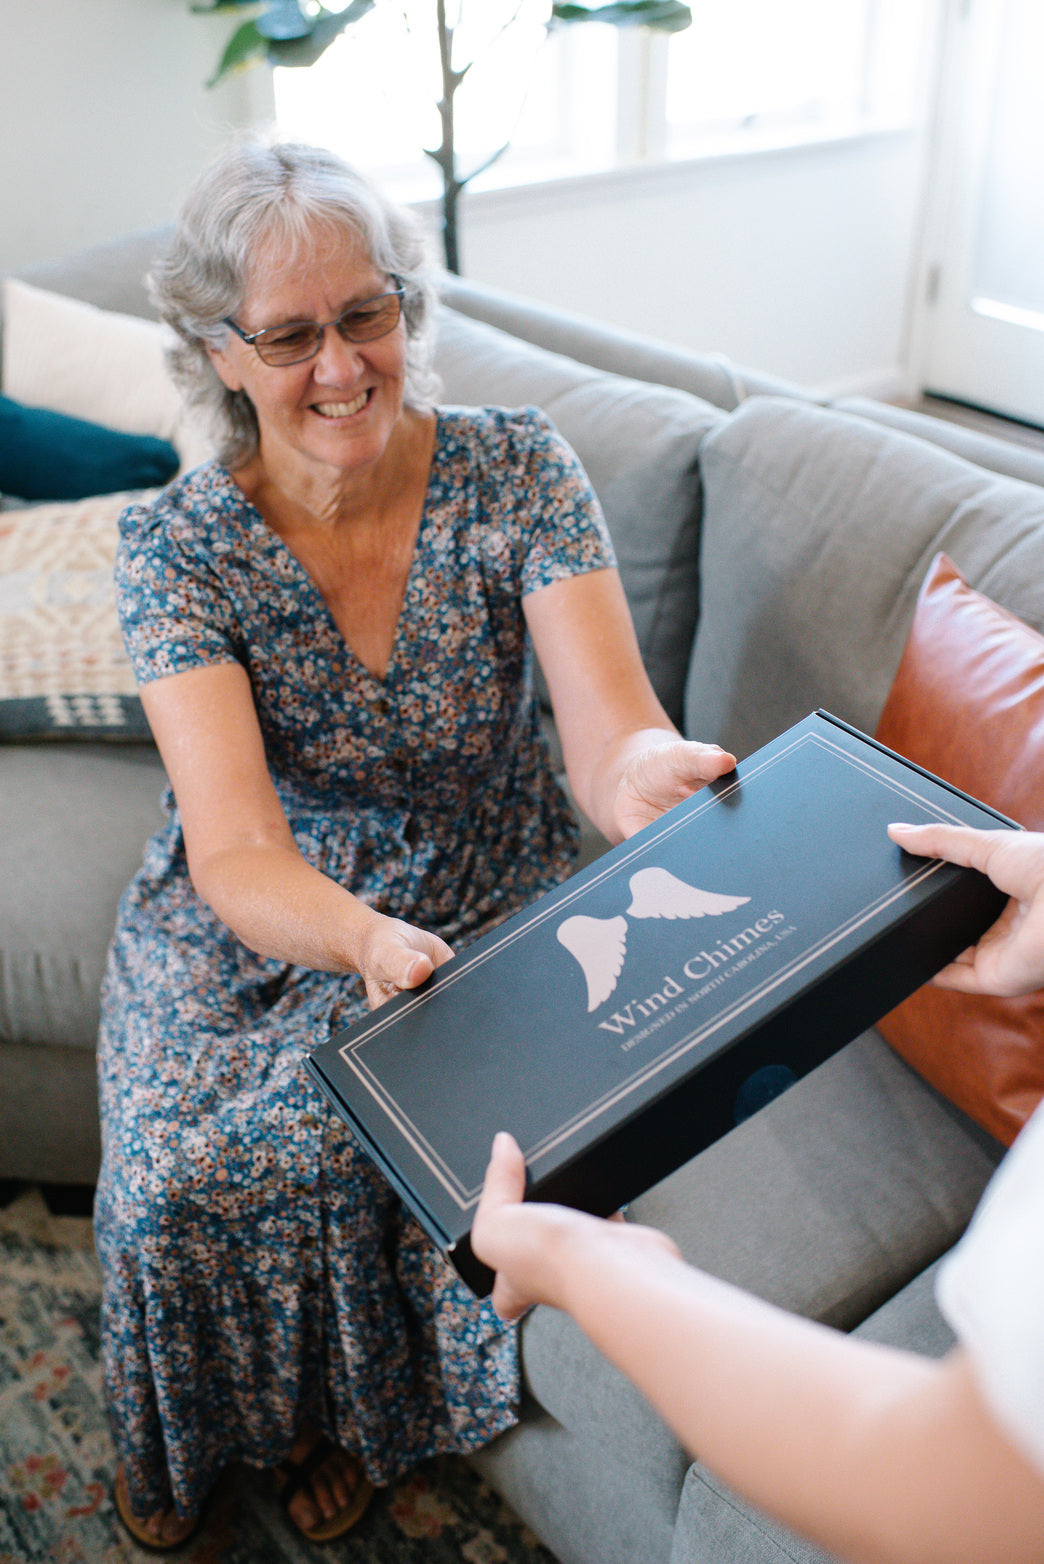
x=299 y=340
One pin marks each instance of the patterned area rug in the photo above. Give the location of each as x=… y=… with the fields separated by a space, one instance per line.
x=56 y=1460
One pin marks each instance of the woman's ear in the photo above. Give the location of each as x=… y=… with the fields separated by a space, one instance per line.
x=224 y=363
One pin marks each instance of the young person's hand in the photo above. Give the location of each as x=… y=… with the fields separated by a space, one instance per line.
x=1009 y=958
x=532 y=1247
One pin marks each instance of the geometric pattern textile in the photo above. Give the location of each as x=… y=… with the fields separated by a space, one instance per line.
x=63 y=671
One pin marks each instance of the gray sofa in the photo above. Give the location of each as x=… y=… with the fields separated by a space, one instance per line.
x=772 y=548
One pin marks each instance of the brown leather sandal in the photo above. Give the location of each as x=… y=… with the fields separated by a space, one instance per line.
x=291 y=1476
x=136 y=1528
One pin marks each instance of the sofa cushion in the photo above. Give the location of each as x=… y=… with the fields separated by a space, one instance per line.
x=74 y=358
x=833 y=1196
x=48 y=456
x=588 y=1396
x=827 y=1202
x=587 y=1505
x=968 y=703
x=818 y=530
x=113 y=274
x=639 y=445
x=49 y=1129
x=714 y=1523
x=58 y=905
x=64 y=673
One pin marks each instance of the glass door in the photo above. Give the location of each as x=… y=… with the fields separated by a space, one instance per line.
x=984 y=326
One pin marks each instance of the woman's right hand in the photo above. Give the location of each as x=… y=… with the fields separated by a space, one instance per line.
x=395 y=956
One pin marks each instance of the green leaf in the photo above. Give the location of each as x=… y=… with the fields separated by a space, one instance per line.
x=322 y=30
x=245 y=47
x=667 y=15
x=220 y=5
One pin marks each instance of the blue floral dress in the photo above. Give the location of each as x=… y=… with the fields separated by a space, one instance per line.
x=259 y=1272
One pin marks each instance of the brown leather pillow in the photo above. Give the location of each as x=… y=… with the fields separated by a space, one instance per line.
x=967 y=702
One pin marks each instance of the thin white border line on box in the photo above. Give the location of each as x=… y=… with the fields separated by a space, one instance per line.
x=465 y=1199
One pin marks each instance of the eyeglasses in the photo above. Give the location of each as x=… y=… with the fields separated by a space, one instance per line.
x=299 y=340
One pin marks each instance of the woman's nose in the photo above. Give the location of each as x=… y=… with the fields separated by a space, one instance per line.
x=336 y=357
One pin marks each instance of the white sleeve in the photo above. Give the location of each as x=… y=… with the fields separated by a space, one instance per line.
x=991 y=1291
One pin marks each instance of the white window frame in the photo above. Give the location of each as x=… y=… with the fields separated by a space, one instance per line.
x=622 y=124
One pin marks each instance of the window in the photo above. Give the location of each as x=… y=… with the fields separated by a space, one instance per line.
x=592 y=97
x=373 y=94
x=755 y=64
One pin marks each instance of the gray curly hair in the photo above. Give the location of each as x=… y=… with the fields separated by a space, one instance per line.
x=288 y=193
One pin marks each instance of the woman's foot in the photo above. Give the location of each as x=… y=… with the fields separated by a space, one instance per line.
x=160 y=1533
x=324 y=1489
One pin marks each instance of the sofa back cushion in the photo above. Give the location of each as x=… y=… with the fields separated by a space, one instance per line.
x=1009 y=457
x=712 y=376
x=818 y=529
x=639 y=445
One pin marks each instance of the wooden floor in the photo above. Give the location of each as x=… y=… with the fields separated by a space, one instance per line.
x=976 y=418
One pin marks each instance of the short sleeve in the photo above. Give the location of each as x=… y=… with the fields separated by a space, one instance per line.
x=991 y=1291
x=562 y=529
x=173 y=613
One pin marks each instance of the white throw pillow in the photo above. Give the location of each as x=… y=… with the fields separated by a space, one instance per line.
x=71 y=357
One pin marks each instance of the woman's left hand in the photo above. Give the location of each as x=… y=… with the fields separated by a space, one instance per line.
x=662 y=775
x=395 y=956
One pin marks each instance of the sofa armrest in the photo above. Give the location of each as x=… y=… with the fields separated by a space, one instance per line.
x=1000 y=456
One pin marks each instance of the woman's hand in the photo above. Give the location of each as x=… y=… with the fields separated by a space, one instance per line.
x=533 y=1247
x=661 y=775
x=1009 y=959
x=394 y=956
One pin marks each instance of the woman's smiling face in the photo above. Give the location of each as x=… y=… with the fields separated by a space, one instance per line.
x=339 y=408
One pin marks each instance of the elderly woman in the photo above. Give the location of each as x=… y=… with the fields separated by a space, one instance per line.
x=331 y=626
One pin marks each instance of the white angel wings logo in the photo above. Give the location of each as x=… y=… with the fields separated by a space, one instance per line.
x=600 y=944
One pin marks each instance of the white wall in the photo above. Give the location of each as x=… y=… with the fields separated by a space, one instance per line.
x=105 y=118
x=796 y=262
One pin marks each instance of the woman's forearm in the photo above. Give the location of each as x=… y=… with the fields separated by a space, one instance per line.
x=283 y=908
x=286 y=910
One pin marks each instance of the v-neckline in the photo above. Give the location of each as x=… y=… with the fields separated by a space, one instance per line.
x=280 y=547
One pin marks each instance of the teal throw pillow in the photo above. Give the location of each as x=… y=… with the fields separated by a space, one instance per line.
x=50 y=456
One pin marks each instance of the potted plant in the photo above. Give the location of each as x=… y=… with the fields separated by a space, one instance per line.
x=298 y=32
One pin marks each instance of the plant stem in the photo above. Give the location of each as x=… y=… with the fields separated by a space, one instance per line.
x=446 y=157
